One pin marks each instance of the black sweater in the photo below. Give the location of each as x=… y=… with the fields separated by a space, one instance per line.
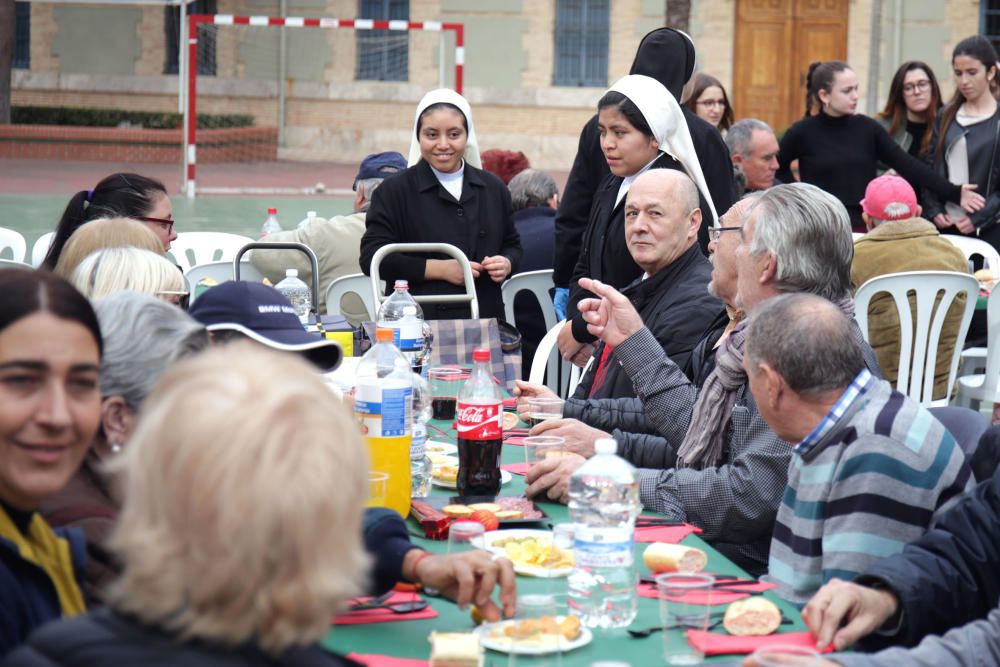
x=839 y=154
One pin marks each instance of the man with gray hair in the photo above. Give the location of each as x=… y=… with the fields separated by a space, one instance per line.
x=753 y=148
x=730 y=466
x=879 y=466
x=336 y=242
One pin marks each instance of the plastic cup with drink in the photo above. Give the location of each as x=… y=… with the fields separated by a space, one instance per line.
x=445 y=383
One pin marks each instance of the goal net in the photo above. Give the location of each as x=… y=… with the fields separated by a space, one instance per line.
x=291 y=105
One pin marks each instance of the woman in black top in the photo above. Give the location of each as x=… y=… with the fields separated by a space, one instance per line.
x=912 y=106
x=965 y=142
x=838 y=150
x=444 y=197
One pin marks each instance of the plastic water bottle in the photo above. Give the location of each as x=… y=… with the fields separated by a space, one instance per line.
x=420 y=463
x=383 y=403
x=403 y=315
x=310 y=216
x=297 y=293
x=271 y=225
x=604 y=504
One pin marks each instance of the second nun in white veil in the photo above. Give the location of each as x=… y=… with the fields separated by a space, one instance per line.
x=642 y=127
x=444 y=197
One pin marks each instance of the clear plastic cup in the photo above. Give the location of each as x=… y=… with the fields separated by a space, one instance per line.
x=684 y=605
x=445 y=383
x=540 y=447
x=543 y=408
x=462 y=536
x=378 y=486
x=538 y=649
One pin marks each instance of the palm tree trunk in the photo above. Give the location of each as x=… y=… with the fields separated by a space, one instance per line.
x=678 y=14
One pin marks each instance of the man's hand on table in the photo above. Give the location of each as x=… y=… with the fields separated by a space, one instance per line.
x=550 y=478
x=578 y=436
x=467 y=577
x=859 y=609
x=612 y=317
x=525 y=390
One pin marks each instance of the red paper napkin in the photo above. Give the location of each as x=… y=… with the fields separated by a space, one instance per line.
x=711 y=643
x=516 y=468
x=383 y=615
x=712 y=597
x=510 y=402
x=375 y=660
x=671 y=534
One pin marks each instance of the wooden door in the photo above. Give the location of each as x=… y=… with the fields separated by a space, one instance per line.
x=775 y=42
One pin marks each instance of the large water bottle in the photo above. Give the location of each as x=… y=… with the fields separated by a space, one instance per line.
x=383 y=403
x=401 y=313
x=297 y=293
x=310 y=217
x=604 y=503
x=420 y=463
x=271 y=225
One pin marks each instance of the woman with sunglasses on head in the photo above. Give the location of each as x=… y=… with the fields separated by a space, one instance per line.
x=838 y=149
x=50 y=408
x=104 y=233
x=119 y=195
x=709 y=101
x=913 y=104
x=965 y=146
x=444 y=197
x=128 y=268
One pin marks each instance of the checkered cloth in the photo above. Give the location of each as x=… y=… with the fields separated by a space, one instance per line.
x=454 y=341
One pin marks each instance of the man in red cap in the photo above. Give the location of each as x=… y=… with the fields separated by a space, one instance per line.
x=898 y=239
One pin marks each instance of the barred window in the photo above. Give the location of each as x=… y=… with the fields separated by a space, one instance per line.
x=206 y=38
x=989 y=21
x=22 y=35
x=383 y=55
x=581 y=43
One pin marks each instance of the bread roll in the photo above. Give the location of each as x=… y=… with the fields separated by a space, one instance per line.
x=753 y=616
x=664 y=557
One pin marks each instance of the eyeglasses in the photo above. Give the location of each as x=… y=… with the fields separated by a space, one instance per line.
x=920 y=86
x=711 y=103
x=180 y=299
x=159 y=221
x=714 y=233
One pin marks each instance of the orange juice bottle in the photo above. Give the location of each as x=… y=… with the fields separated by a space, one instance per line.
x=383 y=403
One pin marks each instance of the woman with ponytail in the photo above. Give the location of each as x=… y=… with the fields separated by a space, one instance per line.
x=838 y=150
x=965 y=143
x=117 y=196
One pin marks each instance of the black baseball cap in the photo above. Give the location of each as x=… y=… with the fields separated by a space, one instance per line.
x=380 y=165
x=263 y=314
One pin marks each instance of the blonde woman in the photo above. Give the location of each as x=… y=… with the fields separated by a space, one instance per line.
x=235 y=551
x=115 y=269
x=104 y=233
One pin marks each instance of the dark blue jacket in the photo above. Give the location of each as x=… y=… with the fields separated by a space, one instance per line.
x=387 y=539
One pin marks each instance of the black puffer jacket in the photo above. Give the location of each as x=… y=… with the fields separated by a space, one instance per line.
x=667 y=56
x=107 y=639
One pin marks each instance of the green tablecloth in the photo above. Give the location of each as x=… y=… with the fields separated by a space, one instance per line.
x=408 y=639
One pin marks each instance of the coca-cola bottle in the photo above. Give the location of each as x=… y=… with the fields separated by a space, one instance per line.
x=480 y=430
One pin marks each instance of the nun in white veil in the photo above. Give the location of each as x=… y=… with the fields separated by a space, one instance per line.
x=444 y=197
x=642 y=127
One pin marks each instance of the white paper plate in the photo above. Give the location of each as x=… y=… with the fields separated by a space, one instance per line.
x=507 y=645
x=439 y=447
x=505 y=477
x=442 y=459
x=487 y=539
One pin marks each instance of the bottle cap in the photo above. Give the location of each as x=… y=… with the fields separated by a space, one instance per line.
x=605 y=446
x=409 y=310
x=481 y=354
x=402 y=284
x=272 y=211
x=291 y=273
x=310 y=214
x=384 y=335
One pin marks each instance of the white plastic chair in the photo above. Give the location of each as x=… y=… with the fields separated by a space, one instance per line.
x=11 y=264
x=972 y=246
x=550 y=369
x=918 y=354
x=220 y=272
x=12 y=239
x=857 y=235
x=975 y=388
x=193 y=248
x=538 y=283
x=41 y=248
x=355 y=283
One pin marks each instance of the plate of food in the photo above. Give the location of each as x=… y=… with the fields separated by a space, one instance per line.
x=531 y=552
x=510 y=511
x=535 y=636
x=439 y=447
x=445 y=475
x=442 y=459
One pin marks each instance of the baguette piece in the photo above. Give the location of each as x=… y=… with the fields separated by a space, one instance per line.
x=753 y=616
x=665 y=557
x=455 y=649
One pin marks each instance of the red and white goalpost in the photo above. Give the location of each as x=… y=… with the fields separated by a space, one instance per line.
x=190 y=67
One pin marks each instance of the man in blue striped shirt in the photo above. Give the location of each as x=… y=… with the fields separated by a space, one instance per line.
x=872 y=468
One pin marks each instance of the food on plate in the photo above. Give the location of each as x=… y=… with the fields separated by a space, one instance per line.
x=568 y=628
x=489 y=507
x=440 y=459
x=457 y=511
x=535 y=552
x=445 y=472
x=509 y=420
x=508 y=515
x=476 y=615
x=523 y=505
x=664 y=557
x=455 y=649
x=753 y=616
x=485 y=517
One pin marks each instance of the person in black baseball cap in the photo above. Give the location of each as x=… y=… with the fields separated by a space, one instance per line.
x=260 y=313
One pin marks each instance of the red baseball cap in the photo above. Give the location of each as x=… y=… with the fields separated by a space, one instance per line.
x=890 y=198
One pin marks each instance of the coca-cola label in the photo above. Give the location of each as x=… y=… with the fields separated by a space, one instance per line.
x=480 y=421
